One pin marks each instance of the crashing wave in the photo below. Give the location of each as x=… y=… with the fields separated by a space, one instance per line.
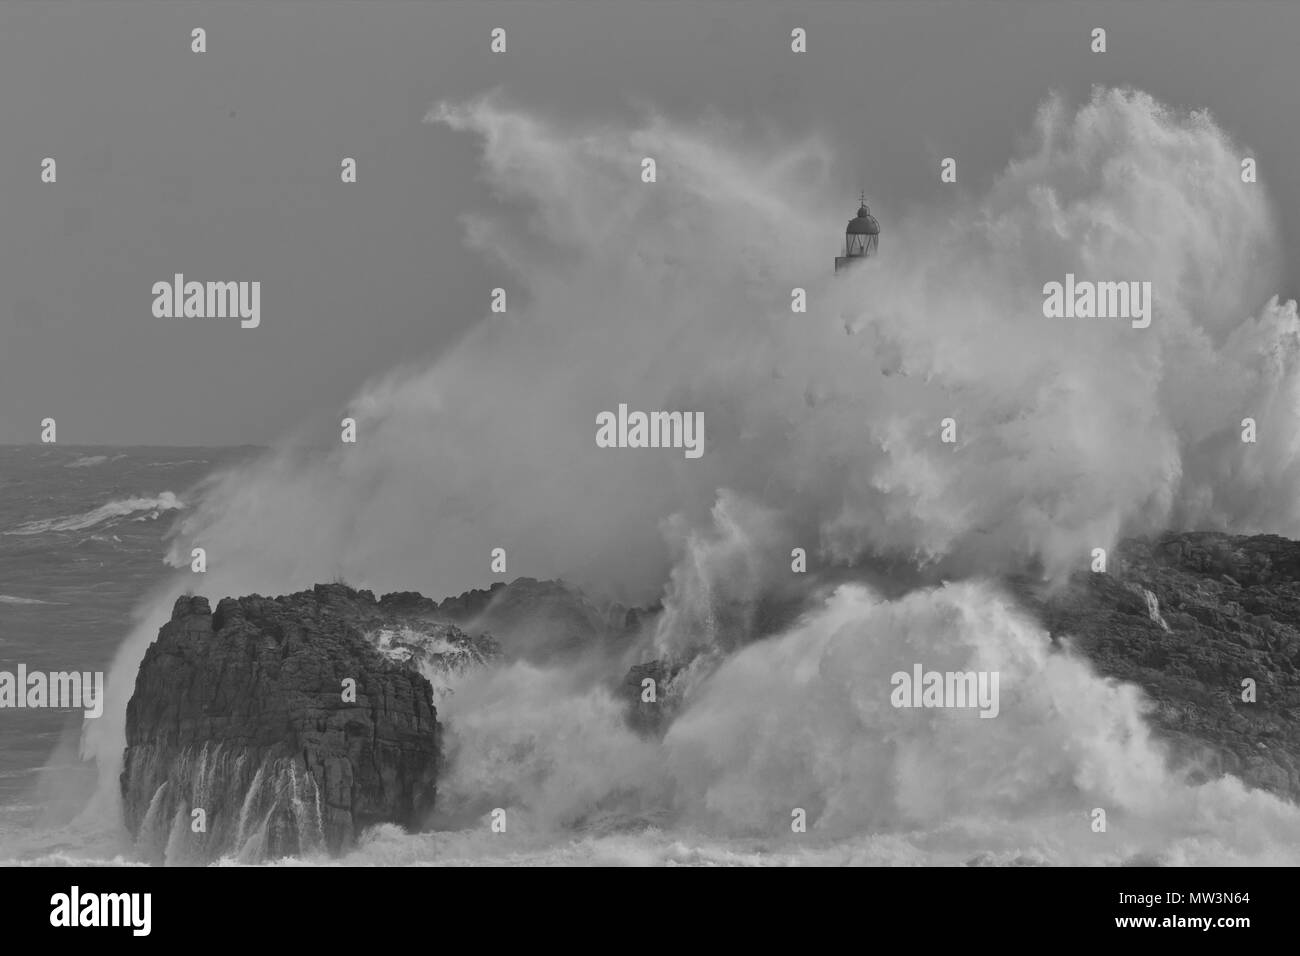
x=441 y=653
x=122 y=508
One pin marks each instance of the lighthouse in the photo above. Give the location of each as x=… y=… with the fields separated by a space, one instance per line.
x=861 y=237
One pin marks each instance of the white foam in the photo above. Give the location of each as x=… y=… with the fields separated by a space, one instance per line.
x=151 y=507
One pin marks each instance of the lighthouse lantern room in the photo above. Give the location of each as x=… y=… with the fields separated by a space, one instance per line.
x=861 y=237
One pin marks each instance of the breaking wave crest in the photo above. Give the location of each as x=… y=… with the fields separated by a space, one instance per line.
x=140 y=508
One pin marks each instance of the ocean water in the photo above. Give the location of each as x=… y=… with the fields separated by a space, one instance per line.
x=81 y=540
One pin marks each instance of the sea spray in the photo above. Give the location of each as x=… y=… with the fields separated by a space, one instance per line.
x=822 y=434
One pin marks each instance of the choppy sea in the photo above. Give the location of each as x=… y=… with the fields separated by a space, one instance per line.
x=81 y=539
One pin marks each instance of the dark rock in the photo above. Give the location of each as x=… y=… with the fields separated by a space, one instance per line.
x=646 y=716
x=653 y=717
x=540 y=620
x=1230 y=607
x=241 y=713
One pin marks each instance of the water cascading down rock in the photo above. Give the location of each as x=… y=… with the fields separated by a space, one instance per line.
x=243 y=713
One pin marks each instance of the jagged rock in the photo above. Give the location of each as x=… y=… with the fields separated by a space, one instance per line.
x=240 y=712
x=672 y=681
x=1226 y=608
x=642 y=715
x=537 y=620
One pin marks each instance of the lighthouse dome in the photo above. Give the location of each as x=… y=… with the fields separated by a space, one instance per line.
x=864 y=225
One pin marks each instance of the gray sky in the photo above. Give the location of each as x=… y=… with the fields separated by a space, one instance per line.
x=225 y=165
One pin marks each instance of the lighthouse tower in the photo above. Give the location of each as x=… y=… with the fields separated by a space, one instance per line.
x=861 y=238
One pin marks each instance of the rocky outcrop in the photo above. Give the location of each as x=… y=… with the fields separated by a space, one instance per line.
x=644 y=689
x=286 y=721
x=1191 y=618
x=245 y=713
x=539 y=620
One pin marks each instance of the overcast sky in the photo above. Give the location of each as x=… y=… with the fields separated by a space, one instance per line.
x=224 y=165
